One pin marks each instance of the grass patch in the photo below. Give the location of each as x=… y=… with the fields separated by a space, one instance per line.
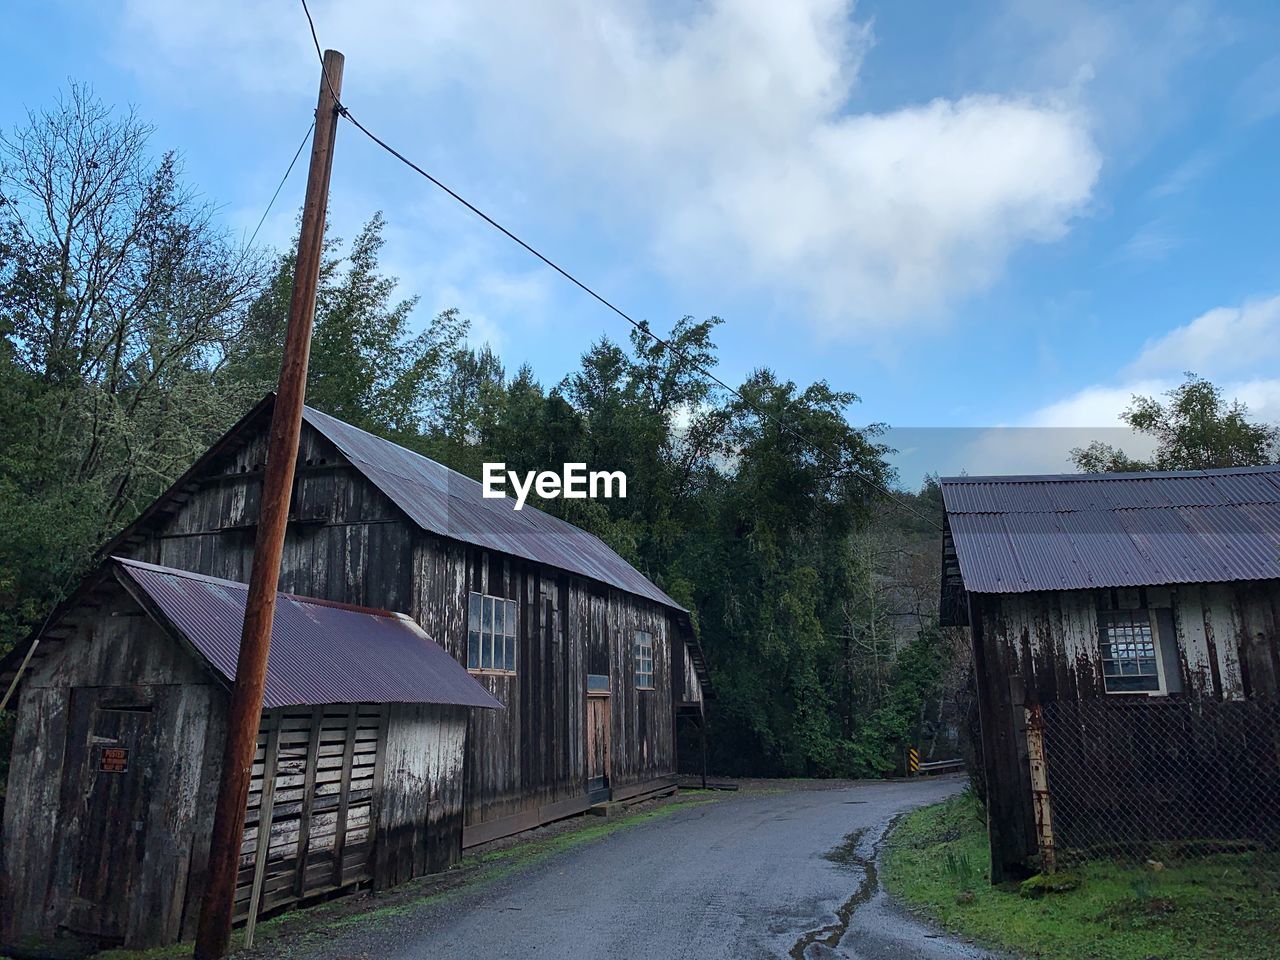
x=1220 y=907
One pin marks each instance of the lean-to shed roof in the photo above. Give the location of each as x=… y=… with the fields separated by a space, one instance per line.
x=1077 y=531
x=321 y=652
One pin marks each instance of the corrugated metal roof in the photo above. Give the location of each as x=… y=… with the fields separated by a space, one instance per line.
x=451 y=504
x=1077 y=531
x=321 y=652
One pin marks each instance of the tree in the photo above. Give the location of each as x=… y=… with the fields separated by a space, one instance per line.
x=1196 y=429
x=767 y=566
x=118 y=294
x=366 y=365
x=133 y=331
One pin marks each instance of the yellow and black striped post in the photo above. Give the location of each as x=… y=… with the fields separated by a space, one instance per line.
x=913 y=761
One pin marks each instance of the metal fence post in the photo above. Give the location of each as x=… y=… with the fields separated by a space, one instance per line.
x=1040 y=789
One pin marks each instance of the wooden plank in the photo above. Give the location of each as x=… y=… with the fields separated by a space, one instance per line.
x=648 y=786
x=344 y=795
x=260 y=862
x=308 y=800
x=473 y=835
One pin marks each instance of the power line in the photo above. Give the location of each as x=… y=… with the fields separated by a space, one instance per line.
x=642 y=327
x=280 y=186
x=324 y=71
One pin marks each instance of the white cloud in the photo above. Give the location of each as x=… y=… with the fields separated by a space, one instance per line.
x=1150 y=243
x=725 y=132
x=1094 y=406
x=1235 y=347
x=1258 y=98
x=1222 y=342
x=1186 y=173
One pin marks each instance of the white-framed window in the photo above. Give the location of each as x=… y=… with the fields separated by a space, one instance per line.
x=1130 y=646
x=644 y=660
x=491 y=634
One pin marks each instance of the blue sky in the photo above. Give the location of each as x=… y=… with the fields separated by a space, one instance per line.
x=976 y=216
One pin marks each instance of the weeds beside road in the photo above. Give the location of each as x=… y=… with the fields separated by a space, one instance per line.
x=1222 y=907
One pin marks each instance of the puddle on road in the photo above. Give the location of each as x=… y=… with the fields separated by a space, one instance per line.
x=845 y=855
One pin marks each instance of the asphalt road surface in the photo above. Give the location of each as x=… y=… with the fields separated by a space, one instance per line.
x=786 y=874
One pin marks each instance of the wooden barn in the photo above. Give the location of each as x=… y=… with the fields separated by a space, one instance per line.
x=593 y=662
x=1136 y=596
x=118 y=751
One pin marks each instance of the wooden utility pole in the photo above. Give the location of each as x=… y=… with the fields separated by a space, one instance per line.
x=214 y=933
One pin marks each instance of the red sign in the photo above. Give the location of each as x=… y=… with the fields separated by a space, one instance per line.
x=113 y=760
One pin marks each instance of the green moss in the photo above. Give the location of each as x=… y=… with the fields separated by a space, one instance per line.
x=1033 y=888
x=1219 y=907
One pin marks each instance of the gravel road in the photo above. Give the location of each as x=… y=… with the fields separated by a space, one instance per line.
x=787 y=873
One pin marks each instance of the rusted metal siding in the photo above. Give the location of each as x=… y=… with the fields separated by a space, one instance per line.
x=1022 y=534
x=321 y=651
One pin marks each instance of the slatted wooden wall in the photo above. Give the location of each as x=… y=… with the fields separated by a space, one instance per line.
x=313 y=796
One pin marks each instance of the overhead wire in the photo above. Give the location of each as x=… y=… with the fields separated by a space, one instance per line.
x=344 y=111
x=280 y=186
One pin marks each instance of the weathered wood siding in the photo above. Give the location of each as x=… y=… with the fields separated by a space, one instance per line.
x=420 y=806
x=346 y=541
x=340 y=794
x=76 y=835
x=689 y=686
x=529 y=762
x=313 y=792
x=1035 y=648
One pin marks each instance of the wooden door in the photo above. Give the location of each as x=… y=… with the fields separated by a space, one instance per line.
x=598 y=746
x=105 y=796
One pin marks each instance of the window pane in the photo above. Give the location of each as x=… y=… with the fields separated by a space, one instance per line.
x=488 y=615
x=1133 y=684
x=511 y=618
x=642 y=652
x=499 y=618
x=486 y=647
x=511 y=654
x=473 y=612
x=1129 y=652
x=473 y=649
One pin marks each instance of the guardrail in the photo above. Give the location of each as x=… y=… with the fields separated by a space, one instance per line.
x=935 y=767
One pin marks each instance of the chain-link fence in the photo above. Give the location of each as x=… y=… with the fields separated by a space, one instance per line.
x=1139 y=778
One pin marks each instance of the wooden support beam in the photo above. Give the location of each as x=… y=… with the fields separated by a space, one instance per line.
x=266 y=809
x=344 y=794
x=308 y=798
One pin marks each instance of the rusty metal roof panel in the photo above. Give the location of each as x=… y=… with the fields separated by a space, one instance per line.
x=321 y=652
x=450 y=504
x=1077 y=531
